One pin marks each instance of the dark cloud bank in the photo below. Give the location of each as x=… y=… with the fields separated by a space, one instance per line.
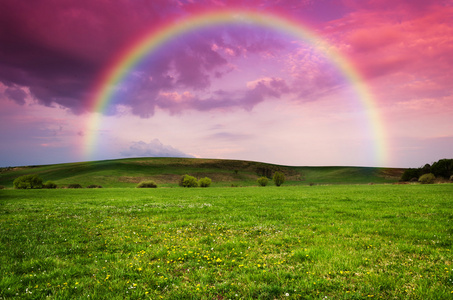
x=55 y=51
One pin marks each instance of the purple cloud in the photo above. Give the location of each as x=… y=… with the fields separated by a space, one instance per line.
x=57 y=50
x=258 y=91
x=190 y=65
x=16 y=94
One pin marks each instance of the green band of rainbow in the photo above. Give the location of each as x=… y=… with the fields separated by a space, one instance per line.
x=157 y=37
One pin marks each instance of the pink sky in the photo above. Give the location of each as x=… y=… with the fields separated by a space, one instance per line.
x=235 y=92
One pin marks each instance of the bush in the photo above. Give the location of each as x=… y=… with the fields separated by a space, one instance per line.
x=49 y=185
x=279 y=178
x=74 y=186
x=427 y=178
x=28 y=182
x=188 y=181
x=262 y=181
x=204 y=182
x=94 y=186
x=451 y=178
x=147 y=184
x=1 y=187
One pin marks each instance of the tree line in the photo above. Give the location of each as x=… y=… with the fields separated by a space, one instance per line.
x=443 y=168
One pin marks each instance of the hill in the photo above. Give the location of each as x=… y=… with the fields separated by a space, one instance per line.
x=167 y=171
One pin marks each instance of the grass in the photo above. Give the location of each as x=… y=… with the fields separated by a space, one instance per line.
x=167 y=171
x=340 y=242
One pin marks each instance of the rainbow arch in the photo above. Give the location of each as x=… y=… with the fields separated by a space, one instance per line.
x=155 y=38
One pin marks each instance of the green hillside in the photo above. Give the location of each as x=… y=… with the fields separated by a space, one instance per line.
x=167 y=171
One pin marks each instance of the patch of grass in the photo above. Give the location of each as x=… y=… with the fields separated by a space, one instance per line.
x=342 y=242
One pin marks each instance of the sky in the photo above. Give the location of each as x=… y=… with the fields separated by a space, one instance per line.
x=230 y=91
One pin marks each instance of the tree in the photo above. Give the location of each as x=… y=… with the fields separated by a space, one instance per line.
x=204 y=182
x=262 y=181
x=443 y=168
x=410 y=173
x=279 y=178
x=264 y=171
x=427 y=178
x=188 y=181
x=28 y=182
x=425 y=169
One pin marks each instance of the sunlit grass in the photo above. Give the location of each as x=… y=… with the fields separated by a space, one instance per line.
x=342 y=242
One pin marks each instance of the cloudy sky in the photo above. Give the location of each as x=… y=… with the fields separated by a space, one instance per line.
x=234 y=91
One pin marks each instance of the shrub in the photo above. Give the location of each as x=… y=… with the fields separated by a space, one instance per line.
x=74 y=186
x=262 y=181
x=188 y=181
x=28 y=182
x=49 y=185
x=279 y=178
x=204 y=182
x=94 y=186
x=427 y=178
x=147 y=184
x=451 y=178
x=1 y=187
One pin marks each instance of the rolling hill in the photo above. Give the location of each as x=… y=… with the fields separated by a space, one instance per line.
x=167 y=171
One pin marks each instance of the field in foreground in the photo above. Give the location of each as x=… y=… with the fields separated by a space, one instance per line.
x=339 y=242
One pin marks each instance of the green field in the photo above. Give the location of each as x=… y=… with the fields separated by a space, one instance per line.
x=291 y=242
x=167 y=171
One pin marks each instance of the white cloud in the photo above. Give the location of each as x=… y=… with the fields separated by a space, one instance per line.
x=155 y=148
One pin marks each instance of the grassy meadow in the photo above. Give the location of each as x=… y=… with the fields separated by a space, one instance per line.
x=166 y=172
x=291 y=242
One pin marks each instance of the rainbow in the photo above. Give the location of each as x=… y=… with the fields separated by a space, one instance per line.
x=157 y=37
